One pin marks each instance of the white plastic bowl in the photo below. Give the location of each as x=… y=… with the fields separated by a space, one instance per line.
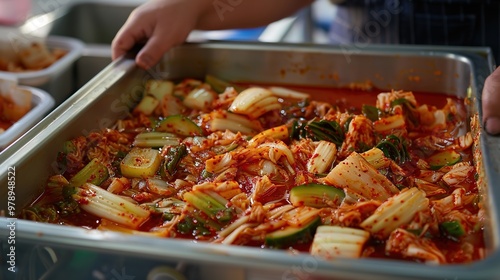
x=41 y=103
x=58 y=78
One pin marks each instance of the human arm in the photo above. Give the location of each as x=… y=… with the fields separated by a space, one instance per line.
x=491 y=103
x=162 y=24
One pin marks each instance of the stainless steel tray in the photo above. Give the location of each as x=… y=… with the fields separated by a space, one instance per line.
x=109 y=95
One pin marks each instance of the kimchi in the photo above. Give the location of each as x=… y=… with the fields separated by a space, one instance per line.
x=278 y=168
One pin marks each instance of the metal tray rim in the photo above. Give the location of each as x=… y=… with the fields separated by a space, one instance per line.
x=244 y=256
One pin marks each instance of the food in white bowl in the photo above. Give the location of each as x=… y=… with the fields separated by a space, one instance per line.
x=15 y=102
x=29 y=55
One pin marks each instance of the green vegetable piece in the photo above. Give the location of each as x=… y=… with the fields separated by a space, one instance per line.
x=316 y=195
x=68 y=192
x=55 y=187
x=208 y=205
x=401 y=101
x=347 y=123
x=325 y=130
x=204 y=221
x=409 y=110
x=115 y=163
x=205 y=174
x=294 y=130
x=179 y=125
x=196 y=225
x=453 y=228
x=172 y=159
x=69 y=147
x=94 y=172
x=227 y=148
x=371 y=112
x=56 y=182
x=186 y=226
x=45 y=213
x=292 y=235
x=155 y=139
x=394 y=148
x=174 y=156
x=220 y=85
x=140 y=163
x=297 y=130
x=444 y=158
x=68 y=207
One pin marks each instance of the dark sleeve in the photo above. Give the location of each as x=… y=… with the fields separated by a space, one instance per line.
x=391 y=2
x=438 y=22
x=457 y=22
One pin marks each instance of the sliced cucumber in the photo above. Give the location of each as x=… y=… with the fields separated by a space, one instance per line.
x=291 y=235
x=444 y=158
x=220 y=85
x=156 y=140
x=179 y=125
x=140 y=163
x=316 y=195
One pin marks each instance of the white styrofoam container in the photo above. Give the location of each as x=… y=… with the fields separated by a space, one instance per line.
x=41 y=103
x=58 y=78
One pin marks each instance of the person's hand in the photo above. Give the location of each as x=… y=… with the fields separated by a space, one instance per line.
x=491 y=103
x=160 y=24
